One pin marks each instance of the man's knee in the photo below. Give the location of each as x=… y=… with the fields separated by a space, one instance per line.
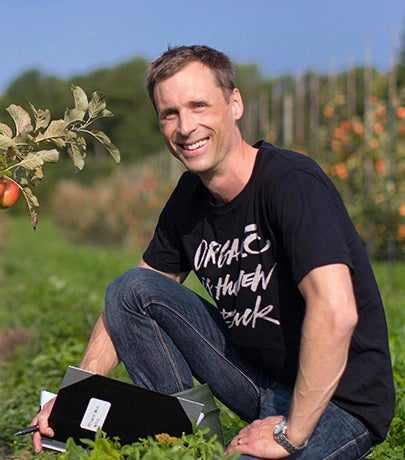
x=124 y=291
x=136 y=286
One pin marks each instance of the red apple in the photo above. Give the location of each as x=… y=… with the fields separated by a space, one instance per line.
x=9 y=193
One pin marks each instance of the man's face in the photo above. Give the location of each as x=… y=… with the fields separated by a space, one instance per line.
x=197 y=122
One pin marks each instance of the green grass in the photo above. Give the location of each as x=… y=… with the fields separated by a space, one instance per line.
x=54 y=291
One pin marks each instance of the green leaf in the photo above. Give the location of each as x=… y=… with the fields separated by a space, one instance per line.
x=106 y=141
x=34 y=217
x=48 y=156
x=55 y=132
x=21 y=119
x=97 y=104
x=73 y=115
x=73 y=451
x=5 y=130
x=106 y=113
x=103 y=450
x=80 y=97
x=6 y=142
x=32 y=201
x=42 y=117
x=28 y=177
x=35 y=159
x=76 y=148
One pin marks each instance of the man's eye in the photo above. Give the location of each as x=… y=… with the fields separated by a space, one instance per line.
x=199 y=105
x=169 y=115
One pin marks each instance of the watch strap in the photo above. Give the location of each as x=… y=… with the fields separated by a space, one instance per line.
x=280 y=437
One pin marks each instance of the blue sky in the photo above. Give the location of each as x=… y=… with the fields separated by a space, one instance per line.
x=67 y=37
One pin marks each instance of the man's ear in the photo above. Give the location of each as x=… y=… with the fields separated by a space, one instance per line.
x=237 y=103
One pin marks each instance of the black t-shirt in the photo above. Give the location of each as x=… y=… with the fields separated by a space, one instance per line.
x=251 y=253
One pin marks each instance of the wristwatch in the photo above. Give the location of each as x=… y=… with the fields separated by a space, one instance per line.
x=279 y=434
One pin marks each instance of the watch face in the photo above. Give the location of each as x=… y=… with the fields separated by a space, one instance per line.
x=278 y=429
x=279 y=434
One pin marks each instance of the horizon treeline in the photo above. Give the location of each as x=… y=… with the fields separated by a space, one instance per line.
x=285 y=110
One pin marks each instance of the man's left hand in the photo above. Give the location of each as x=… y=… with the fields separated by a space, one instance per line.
x=257 y=440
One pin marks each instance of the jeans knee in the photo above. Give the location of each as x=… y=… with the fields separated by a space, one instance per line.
x=125 y=290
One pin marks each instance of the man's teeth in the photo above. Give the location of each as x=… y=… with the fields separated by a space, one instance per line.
x=196 y=145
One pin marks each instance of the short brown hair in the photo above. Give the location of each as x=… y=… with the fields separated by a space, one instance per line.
x=176 y=58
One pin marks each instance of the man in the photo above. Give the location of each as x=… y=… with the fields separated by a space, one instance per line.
x=297 y=345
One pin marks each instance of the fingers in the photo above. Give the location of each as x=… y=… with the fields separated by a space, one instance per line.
x=36 y=441
x=44 y=429
x=257 y=440
x=235 y=444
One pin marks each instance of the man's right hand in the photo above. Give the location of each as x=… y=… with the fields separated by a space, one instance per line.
x=44 y=429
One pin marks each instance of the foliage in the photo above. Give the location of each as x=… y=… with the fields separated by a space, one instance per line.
x=366 y=160
x=58 y=303
x=162 y=446
x=119 y=210
x=393 y=292
x=41 y=90
x=44 y=292
x=134 y=126
x=374 y=166
x=24 y=151
x=55 y=291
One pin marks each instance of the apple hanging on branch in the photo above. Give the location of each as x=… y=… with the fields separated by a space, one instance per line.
x=25 y=151
x=9 y=193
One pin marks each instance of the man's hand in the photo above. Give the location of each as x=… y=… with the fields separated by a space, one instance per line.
x=257 y=440
x=44 y=429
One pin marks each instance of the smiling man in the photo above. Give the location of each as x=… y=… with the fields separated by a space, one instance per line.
x=199 y=124
x=295 y=341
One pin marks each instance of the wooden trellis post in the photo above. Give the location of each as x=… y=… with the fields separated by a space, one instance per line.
x=276 y=111
x=300 y=109
x=313 y=110
x=351 y=90
x=288 y=119
x=264 y=122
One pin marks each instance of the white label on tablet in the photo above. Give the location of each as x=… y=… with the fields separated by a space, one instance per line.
x=95 y=415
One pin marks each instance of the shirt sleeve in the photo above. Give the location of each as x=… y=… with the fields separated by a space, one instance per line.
x=165 y=251
x=312 y=222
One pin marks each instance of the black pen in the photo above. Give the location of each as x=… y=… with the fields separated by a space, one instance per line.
x=27 y=430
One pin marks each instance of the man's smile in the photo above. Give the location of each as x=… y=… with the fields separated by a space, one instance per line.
x=195 y=145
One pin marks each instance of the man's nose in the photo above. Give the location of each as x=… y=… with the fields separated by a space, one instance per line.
x=186 y=124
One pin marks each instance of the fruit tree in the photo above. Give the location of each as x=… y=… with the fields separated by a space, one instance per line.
x=39 y=139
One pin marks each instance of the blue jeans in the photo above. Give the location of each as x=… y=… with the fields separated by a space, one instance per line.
x=165 y=334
